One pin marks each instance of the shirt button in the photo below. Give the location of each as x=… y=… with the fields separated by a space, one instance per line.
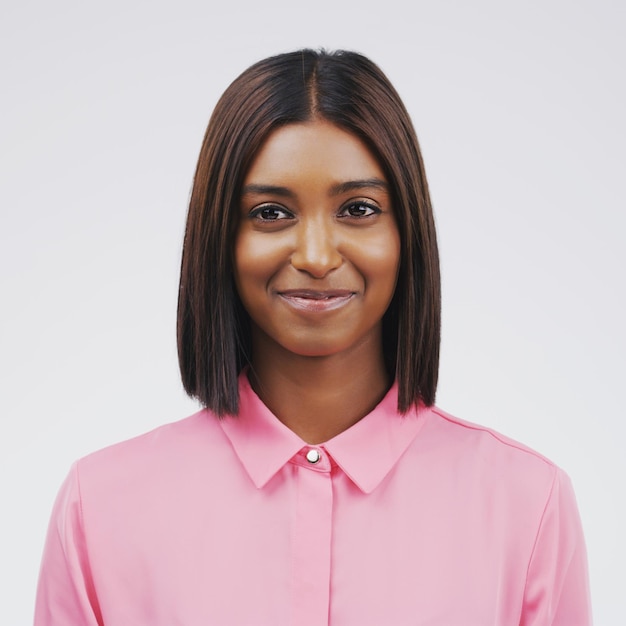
x=313 y=456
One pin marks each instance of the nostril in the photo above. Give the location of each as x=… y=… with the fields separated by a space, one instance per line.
x=317 y=264
x=316 y=252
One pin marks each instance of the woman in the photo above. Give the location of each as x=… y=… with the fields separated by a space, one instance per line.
x=320 y=485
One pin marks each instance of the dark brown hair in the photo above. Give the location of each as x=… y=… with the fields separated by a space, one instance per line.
x=347 y=89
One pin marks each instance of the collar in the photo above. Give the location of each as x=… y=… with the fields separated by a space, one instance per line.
x=366 y=452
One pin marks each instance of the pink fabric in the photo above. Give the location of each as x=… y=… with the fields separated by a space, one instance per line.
x=415 y=520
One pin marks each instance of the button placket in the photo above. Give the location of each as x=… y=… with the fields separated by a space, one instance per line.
x=312 y=538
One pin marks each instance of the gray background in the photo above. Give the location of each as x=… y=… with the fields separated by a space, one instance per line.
x=519 y=108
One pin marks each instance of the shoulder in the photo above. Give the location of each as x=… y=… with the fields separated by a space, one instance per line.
x=463 y=431
x=169 y=451
x=486 y=456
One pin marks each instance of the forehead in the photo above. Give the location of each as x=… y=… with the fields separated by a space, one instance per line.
x=316 y=148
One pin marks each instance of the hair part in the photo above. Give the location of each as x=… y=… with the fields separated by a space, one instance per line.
x=350 y=91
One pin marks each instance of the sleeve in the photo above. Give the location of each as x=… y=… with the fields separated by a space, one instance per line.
x=557 y=584
x=65 y=593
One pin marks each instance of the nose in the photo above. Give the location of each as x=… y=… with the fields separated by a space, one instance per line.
x=316 y=251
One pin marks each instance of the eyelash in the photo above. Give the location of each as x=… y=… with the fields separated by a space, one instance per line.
x=371 y=209
x=368 y=208
x=257 y=213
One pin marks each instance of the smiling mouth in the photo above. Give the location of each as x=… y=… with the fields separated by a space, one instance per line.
x=310 y=300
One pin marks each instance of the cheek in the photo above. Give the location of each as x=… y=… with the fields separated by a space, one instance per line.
x=381 y=263
x=256 y=260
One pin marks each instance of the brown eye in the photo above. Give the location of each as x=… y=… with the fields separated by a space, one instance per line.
x=270 y=213
x=358 y=209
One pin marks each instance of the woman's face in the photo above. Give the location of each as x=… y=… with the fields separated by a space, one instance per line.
x=317 y=248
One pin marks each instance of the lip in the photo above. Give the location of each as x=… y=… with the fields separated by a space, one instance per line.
x=316 y=301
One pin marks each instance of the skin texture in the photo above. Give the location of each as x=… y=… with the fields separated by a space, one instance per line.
x=316 y=263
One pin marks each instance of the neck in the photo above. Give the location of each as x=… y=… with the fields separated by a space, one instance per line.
x=319 y=397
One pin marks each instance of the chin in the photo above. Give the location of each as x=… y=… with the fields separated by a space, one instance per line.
x=315 y=350
x=318 y=347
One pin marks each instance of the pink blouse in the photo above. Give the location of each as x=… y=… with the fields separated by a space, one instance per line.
x=421 y=519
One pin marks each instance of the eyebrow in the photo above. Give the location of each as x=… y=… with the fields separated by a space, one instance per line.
x=272 y=190
x=335 y=190
x=356 y=185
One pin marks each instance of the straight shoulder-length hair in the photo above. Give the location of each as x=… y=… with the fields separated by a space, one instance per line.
x=350 y=91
